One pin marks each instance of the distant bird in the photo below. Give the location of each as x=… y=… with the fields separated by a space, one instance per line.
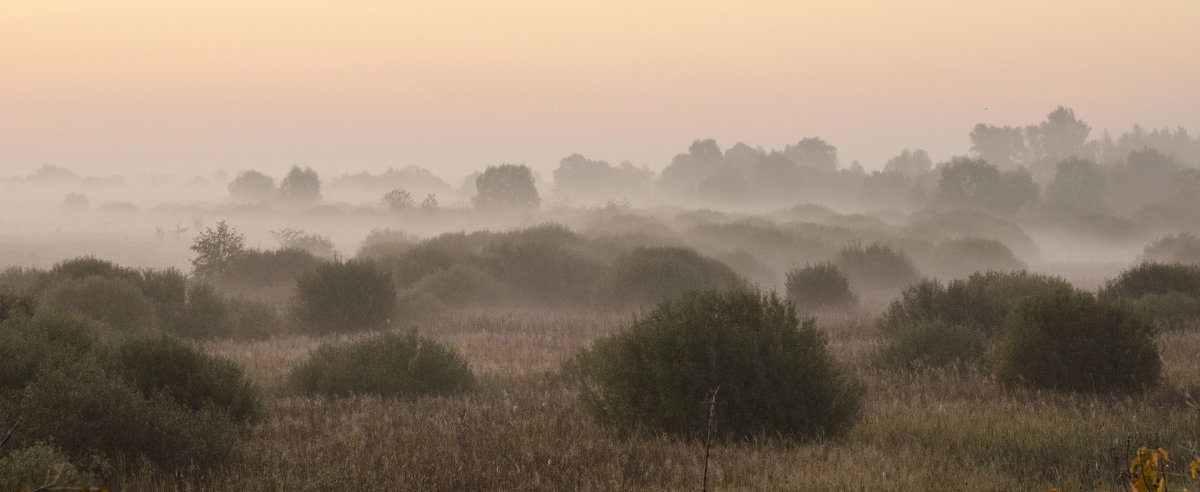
x=985 y=109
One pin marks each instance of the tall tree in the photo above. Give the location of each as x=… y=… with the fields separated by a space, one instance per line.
x=506 y=187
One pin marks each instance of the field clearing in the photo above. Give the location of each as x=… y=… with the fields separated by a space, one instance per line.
x=525 y=429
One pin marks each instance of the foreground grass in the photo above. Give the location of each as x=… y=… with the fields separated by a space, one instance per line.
x=526 y=430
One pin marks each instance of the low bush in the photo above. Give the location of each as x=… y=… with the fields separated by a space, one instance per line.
x=29 y=345
x=387 y=365
x=961 y=257
x=464 y=285
x=344 y=296
x=934 y=324
x=649 y=275
x=1171 y=311
x=30 y=467
x=161 y=365
x=935 y=343
x=12 y=305
x=773 y=373
x=84 y=410
x=542 y=273
x=1154 y=278
x=115 y=302
x=820 y=286
x=1178 y=248
x=876 y=267
x=1064 y=339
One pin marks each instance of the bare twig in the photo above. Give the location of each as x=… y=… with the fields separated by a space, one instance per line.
x=712 y=407
x=10 y=433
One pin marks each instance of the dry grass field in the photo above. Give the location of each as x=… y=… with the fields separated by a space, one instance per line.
x=525 y=428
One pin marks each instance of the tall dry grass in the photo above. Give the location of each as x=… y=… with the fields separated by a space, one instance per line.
x=526 y=429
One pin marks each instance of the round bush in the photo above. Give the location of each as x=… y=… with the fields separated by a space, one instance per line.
x=935 y=325
x=934 y=343
x=649 y=275
x=116 y=302
x=1154 y=278
x=1069 y=340
x=162 y=365
x=349 y=296
x=1179 y=248
x=387 y=364
x=774 y=374
x=85 y=410
x=876 y=266
x=820 y=286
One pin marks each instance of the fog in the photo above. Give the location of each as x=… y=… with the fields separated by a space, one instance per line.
x=1061 y=197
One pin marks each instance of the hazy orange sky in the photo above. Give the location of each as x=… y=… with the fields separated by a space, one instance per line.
x=124 y=86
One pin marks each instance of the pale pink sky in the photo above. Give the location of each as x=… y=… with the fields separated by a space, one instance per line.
x=188 y=86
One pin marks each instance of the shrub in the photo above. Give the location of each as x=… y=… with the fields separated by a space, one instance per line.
x=387 y=364
x=819 y=286
x=1154 y=278
x=84 y=410
x=934 y=343
x=205 y=315
x=983 y=300
x=1064 y=339
x=464 y=285
x=935 y=325
x=90 y=266
x=962 y=257
x=649 y=275
x=773 y=372
x=161 y=365
x=1171 y=311
x=28 y=345
x=1179 y=248
x=116 y=302
x=348 y=296
x=167 y=291
x=876 y=266
x=252 y=319
x=545 y=273
x=254 y=269
x=12 y=305
x=29 y=467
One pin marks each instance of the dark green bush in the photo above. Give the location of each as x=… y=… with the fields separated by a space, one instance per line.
x=1171 y=311
x=387 y=364
x=253 y=269
x=934 y=343
x=344 y=296
x=649 y=275
x=983 y=300
x=161 y=365
x=167 y=291
x=116 y=302
x=819 y=286
x=205 y=315
x=252 y=319
x=773 y=372
x=542 y=273
x=28 y=345
x=15 y=305
x=1069 y=340
x=1154 y=278
x=464 y=285
x=90 y=266
x=84 y=410
x=934 y=324
x=431 y=256
x=876 y=267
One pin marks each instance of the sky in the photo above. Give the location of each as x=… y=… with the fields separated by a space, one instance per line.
x=189 y=87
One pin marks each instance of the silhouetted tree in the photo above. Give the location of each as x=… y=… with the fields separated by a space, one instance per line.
x=215 y=248
x=598 y=180
x=252 y=186
x=1004 y=147
x=1060 y=136
x=398 y=199
x=813 y=153
x=506 y=187
x=301 y=186
x=1078 y=188
x=976 y=183
x=909 y=163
